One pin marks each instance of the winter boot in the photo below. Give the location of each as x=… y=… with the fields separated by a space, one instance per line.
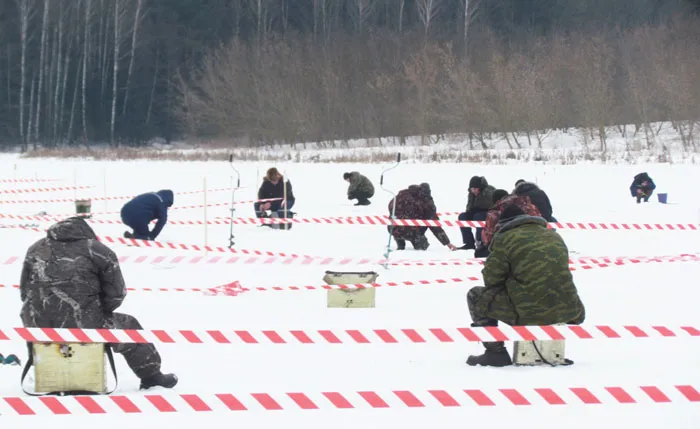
x=163 y=380
x=482 y=252
x=495 y=355
x=129 y=235
x=363 y=202
x=400 y=244
x=421 y=243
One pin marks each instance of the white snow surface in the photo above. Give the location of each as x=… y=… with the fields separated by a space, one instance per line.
x=642 y=294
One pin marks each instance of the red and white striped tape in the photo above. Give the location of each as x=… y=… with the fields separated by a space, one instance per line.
x=31 y=190
x=27 y=180
x=381 y=220
x=124 y=197
x=378 y=220
x=58 y=217
x=348 y=400
x=348 y=336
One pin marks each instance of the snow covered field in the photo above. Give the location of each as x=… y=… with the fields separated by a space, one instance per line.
x=643 y=294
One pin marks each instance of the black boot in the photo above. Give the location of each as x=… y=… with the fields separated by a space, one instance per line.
x=163 y=380
x=495 y=355
x=400 y=244
x=421 y=243
x=363 y=202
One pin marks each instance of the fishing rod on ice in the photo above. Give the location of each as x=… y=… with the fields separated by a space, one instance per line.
x=393 y=208
x=233 y=199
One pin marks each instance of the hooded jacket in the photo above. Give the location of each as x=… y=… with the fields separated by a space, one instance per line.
x=148 y=207
x=416 y=202
x=483 y=201
x=69 y=279
x=637 y=184
x=360 y=183
x=527 y=276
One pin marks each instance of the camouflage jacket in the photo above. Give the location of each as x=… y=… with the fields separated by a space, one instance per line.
x=481 y=202
x=69 y=279
x=360 y=183
x=414 y=203
x=527 y=276
x=494 y=214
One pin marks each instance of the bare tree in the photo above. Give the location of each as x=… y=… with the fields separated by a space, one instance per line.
x=132 y=56
x=471 y=11
x=86 y=56
x=360 y=11
x=427 y=11
x=119 y=11
x=26 y=12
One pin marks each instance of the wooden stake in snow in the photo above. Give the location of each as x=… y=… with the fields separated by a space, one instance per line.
x=206 y=231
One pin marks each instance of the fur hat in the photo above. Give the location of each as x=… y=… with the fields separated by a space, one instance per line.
x=478 y=182
x=499 y=194
x=510 y=212
x=346 y=176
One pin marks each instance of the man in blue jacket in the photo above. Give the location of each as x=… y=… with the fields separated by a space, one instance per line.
x=143 y=209
x=642 y=187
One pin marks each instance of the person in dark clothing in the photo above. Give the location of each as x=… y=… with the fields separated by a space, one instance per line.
x=360 y=188
x=143 y=209
x=478 y=204
x=416 y=202
x=71 y=280
x=273 y=187
x=538 y=197
x=642 y=187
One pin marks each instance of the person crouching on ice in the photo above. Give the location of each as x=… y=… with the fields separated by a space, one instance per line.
x=642 y=187
x=144 y=209
x=416 y=202
x=273 y=186
x=360 y=188
x=527 y=281
x=71 y=280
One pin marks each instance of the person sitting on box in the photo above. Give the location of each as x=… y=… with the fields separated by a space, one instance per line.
x=527 y=281
x=274 y=187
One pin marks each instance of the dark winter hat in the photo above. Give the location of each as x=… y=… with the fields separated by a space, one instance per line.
x=346 y=176
x=425 y=188
x=478 y=182
x=499 y=194
x=511 y=212
x=519 y=181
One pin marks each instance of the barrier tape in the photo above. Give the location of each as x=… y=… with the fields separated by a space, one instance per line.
x=58 y=217
x=346 y=400
x=125 y=197
x=348 y=336
x=27 y=180
x=27 y=191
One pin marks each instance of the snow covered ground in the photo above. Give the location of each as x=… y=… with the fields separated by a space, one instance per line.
x=641 y=294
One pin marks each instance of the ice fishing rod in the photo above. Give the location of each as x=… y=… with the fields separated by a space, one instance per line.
x=233 y=198
x=393 y=208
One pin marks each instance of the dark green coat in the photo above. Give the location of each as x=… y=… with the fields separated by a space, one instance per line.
x=481 y=202
x=527 y=276
x=360 y=183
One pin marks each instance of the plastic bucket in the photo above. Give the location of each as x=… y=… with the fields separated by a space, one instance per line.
x=663 y=198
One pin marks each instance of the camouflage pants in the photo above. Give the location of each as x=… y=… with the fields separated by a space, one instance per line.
x=478 y=319
x=414 y=234
x=143 y=359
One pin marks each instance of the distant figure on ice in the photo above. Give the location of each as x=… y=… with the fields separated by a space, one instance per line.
x=360 y=188
x=71 y=280
x=538 y=197
x=273 y=186
x=143 y=209
x=642 y=187
x=526 y=282
x=479 y=202
x=416 y=202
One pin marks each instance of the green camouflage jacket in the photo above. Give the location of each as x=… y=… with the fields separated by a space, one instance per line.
x=527 y=276
x=360 y=183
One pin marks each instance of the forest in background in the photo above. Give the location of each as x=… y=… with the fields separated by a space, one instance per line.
x=254 y=72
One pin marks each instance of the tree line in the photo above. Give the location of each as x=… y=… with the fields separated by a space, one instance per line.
x=261 y=71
